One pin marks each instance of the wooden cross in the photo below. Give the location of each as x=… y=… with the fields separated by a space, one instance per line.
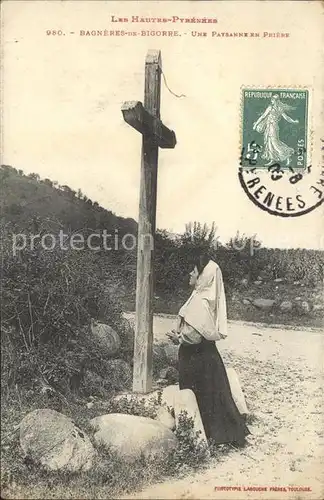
x=146 y=120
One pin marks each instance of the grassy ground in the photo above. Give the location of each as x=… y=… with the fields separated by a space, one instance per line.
x=281 y=374
x=108 y=478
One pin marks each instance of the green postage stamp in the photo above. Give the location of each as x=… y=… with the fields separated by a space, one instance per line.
x=274 y=129
x=276 y=167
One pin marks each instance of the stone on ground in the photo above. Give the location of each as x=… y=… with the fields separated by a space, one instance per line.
x=304 y=307
x=286 y=306
x=236 y=390
x=106 y=338
x=264 y=304
x=52 y=440
x=131 y=437
x=186 y=401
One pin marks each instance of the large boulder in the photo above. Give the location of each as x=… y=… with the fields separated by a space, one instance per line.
x=106 y=338
x=131 y=437
x=53 y=440
x=263 y=304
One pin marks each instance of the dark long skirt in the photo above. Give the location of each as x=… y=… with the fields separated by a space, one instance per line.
x=201 y=369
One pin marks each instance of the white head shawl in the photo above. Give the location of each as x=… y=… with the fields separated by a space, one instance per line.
x=205 y=310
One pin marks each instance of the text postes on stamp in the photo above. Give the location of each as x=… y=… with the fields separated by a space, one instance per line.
x=274 y=129
x=275 y=170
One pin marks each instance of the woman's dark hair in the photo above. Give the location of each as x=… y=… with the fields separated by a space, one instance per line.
x=201 y=261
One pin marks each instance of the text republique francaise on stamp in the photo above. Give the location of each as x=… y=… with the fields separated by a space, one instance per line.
x=275 y=166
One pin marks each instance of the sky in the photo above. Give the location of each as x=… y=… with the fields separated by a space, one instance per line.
x=62 y=98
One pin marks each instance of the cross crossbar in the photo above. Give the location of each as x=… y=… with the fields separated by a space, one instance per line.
x=139 y=118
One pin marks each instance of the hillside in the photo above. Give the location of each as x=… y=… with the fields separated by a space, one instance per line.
x=27 y=197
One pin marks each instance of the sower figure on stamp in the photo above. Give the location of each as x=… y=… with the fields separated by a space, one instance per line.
x=203 y=321
x=268 y=124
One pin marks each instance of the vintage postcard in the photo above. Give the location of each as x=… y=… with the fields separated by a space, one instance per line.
x=162 y=270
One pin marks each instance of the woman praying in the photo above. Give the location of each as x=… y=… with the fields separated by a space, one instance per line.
x=202 y=321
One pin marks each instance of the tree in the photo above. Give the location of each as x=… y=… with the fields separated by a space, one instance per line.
x=200 y=235
x=34 y=176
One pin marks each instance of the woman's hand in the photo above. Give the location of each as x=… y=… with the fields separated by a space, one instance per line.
x=173 y=336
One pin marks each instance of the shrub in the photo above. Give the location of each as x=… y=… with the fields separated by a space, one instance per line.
x=48 y=300
x=192 y=451
x=241 y=257
x=134 y=406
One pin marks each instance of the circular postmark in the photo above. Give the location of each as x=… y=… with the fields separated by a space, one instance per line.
x=274 y=170
x=284 y=193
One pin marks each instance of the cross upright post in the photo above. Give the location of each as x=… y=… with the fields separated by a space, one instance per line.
x=146 y=120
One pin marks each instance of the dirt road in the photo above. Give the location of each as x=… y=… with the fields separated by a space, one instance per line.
x=281 y=372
